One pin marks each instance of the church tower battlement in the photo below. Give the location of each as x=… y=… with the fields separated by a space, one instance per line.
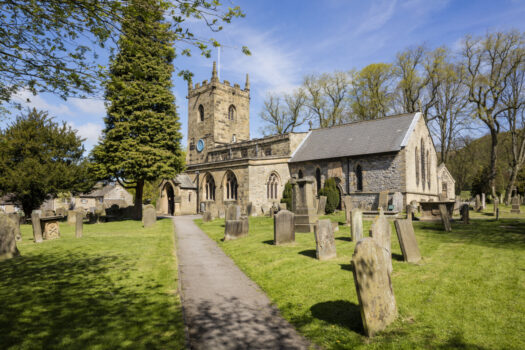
x=218 y=114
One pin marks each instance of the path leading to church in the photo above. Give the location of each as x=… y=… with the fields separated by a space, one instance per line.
x=223 y=308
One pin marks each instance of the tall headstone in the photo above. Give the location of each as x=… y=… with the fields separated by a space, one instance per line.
x=483 y=203
x=478 y=203
x=304 y=204
x=283 y=227
x=324 y=240
x=381 y=232
x=16 y=219
x=37 y=228
x=383 y=200
x=356 y=229
x=233 y=212
x=465 y=208
x=445 y=218
x=407 y=240
x=347 y=202
x=322 y=205
x=8 y=230
x=373 y=284
x=496 y=204
x=397 y=201
x=149 y=216
x=71 y=217
x=410 y=214
x=79 y=224
x=515 y=202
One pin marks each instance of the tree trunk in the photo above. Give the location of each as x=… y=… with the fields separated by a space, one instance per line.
x=139 y=190
x=493 y=161
x=513 y=175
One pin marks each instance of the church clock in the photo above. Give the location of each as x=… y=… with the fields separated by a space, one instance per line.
x=200 y=145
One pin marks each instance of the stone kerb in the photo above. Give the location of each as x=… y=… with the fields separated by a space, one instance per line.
x=324 y=240
x=381 y=232
x=149 y=216
x=8 y=229
x=283 y=227
x=407 y=240
x=373 y=284
x=356 y=224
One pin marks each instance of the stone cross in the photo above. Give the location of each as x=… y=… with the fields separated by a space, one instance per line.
x=37 y=228
x=8 y=230
x=79 y=224
x=149 y=216
x=397 y=201
x=322 y=205
x=324 y=240
x=373 y=285
x=283 y=227
x=356 y=222
x=381 y=232
x=383 y=200
x=233 y=212
x=465 y=213
x=407 y=240
x=445 y=218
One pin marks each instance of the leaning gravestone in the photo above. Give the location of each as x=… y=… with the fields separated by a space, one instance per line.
x=407 y=240
x=234 y=229
x=356 y=228
x=322 y=205
x=8 y=230
x=79 y=224
x=465 y=213
x=397 y=201
x=515 y=201
x=382 y=233
x=445 y=218
x=16 y=219
x=37 y=228
x=373 y=284
x=207 y=216
x=383 y=200
x=149 y=216
x=283 y=227
x=324 y=240
x=233 y=212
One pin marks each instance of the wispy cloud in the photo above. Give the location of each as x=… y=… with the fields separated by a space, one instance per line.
x=88 y=131
x=91 y=106
x=378 y=15
x=27 y=99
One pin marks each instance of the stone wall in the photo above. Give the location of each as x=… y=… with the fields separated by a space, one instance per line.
x=259 y=176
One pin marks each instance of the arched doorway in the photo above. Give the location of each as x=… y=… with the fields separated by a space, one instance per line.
x=170 y=195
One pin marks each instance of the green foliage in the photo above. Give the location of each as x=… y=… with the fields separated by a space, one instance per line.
x=480 y=182
x=39 y=157
x=332 y=195
x=287 y=196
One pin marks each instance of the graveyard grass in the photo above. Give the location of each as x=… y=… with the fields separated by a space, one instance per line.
x=113 y=288
x=468 y=292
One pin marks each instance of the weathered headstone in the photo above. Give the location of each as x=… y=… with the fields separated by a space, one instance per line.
x=381 y=232
x=283 y=227
x=8 y=230
x=515 y=202
x=407 y=240
x=465 y=213
x=16 y=219
x=324 y=240
x=322 y=205
x=233 y=212
x=61 y=211
x=356 y=228
x=282 y=206
x=496 y=204
x=79 y=224
x=410 y=214
x=478 y=203
x=445 y=218
x=207 y=216
x=234 y=229
x=415 y=205
x=149 y=216
x=50 y=227
x=483 y=202
x=373 y=284
x=383 y=200
x=37 y=228
x=304 y=204
x=71 y=217
x=48 y=212
x=347 y=203
x=397 y=201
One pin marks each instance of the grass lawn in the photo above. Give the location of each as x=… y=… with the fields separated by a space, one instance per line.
x=114 y=288
x=468 y=292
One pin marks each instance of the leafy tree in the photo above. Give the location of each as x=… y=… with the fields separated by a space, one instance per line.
x=141 y=139
x=332 y=195
x=40 y=158
x=287 y=196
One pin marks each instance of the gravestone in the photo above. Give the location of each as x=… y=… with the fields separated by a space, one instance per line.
x=234 y=229
x=37 y=228
x=356 y=228
x=497 y=214
x=457 y=205
x=282 y=206
x=207 y=216
x=79 y=224
x=515 y=202
x=249 y=209
x=383 y=200
x=407 y=240
x=483 y=202
x=478 y=203
x=8 y=229
x=465 y=213
x=304 y=204
x=149 y=216
x=347 y=203
x=322 y=205
x=324 y=240
x=410 y=214
x=445 y=218
x=496 y=204
x=397 y=201
x=233 y=212
x=415 y=205
x=48 y=212
x=71 y=217
x=373 y=285
x=283 y=227
x=16 y=219
x=50 y=227
x=381 y=232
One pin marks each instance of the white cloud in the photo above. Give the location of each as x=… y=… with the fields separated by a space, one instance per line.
x=378 y=15
x=89 y=131
x=26 y=98
x=92 y=106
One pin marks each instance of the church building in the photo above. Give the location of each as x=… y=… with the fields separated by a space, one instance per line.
x=225 y=166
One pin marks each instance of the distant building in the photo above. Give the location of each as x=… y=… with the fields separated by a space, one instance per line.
x=104 y=194
x=446 y=183
x=7 y=205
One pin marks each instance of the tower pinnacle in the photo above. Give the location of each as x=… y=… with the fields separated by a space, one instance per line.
x=247 y=85
x=214 y=72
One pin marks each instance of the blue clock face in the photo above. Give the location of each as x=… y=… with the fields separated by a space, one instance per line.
x=200 y=145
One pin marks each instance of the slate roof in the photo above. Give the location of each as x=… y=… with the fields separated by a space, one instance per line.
x=383 y=135
x=99 y=191
x=184 y=181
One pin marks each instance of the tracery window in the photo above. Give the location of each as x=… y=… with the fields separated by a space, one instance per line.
x=209 y=187
x=272 y=186
x=231 y=186
x=231 y=112
x=423 y=165
x=417 y=166
x=428 y=169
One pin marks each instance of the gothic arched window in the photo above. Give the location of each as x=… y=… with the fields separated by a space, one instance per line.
x=231 y=186
x=209 y=187
x=201 y=112
x=272 y=186
x=428 y=169
x=417 y=166
x=231 y=112
x=359 y=177
x=318 y=179
x=423 y=165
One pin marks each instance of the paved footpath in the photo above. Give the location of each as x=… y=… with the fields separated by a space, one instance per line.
x=223 y=308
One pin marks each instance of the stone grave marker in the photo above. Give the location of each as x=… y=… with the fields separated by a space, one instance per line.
x=356 y=228
x=478 y=203
x=496 y=204
x=322 y=205
x=249 y=209
x=410 y=214
x=50 y=227
x=207 y=216
x=397 y=201
x=324 y=240
x=381 y=232
x=497 y=214
x=48 y=212
x=465 y=213
x=282 y=206
x=37 y=228
x=233 y=212
x=79 y=224
x=515 y=202
x=407 y=240
x=8 y=229
x=383 y=200
x=304 y=204
x=347 y=202
x=71 y=217
x=483 y=202
x=234 y=229
x=373 y=284
x=283 y=227
x=149 y=216
x=445 y=218
x=16 y=219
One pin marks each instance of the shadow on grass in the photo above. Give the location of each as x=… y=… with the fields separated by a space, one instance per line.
x=397 y=257
x=339 y=312
x=68 y=300
x=311 y=253
x=346 y=239
x=270 y=242
x=347 y=267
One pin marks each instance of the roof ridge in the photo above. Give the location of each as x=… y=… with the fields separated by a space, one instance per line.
x=366 y=121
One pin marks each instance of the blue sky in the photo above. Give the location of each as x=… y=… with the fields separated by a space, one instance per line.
x=290 y=38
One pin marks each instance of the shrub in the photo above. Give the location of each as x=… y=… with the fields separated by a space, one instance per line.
x=332 y=195
x=287 y=196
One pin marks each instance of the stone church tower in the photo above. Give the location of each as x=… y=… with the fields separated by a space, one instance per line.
x=218 y=114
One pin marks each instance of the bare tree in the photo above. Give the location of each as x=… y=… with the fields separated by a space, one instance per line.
x=284 y=114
